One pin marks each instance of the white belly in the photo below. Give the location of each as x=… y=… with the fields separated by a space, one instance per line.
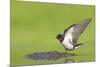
x=68 y=38
x=66 y=42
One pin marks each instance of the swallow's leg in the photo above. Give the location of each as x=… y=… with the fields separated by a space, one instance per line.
x=68 y=49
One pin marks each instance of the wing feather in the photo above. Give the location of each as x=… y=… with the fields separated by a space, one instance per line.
x=76 y=30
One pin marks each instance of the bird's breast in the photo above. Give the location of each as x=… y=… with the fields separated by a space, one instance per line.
x=67 y=44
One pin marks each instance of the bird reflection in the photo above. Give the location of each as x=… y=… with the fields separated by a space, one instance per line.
x=70 y=61
x=52 y=55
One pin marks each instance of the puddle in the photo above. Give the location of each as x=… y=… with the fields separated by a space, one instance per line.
x=55 y=57
x=51 y=55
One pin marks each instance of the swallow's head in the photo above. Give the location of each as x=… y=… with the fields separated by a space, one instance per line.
x=60 y=37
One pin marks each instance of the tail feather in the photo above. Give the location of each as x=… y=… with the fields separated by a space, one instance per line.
x=77 y=45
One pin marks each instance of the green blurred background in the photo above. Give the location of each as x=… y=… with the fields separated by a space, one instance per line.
x=34 y=27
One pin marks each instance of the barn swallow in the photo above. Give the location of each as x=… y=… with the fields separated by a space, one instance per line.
x=70 y=35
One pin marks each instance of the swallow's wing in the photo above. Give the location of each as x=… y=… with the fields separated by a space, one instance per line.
x=68 y=28
x=74 y=31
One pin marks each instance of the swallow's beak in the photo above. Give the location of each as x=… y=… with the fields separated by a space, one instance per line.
x=57 y=36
